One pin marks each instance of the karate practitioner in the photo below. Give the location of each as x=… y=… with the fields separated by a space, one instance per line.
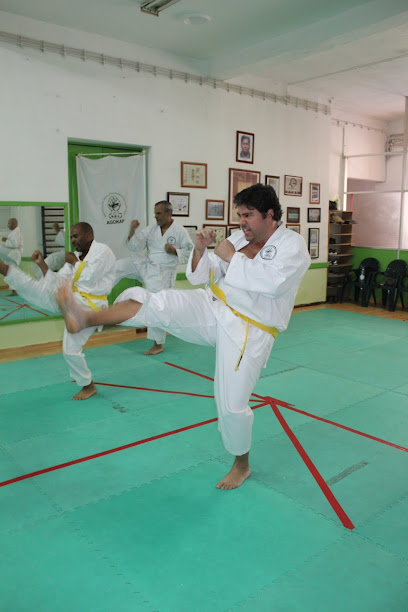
x=253 y=278
x=159 y=249
x=11 y=247
x=91 y=272
x=55 y=260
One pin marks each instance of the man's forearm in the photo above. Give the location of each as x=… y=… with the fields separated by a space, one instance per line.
x=43 y=267
x=197 y=255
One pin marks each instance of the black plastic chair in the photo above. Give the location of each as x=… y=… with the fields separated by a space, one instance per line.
x=389 y=282
x=360 y=279
x=401 y=289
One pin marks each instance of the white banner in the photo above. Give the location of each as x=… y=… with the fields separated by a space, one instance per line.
x=111 y=192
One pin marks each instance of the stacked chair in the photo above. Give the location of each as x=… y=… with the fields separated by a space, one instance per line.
x=391 y=283
x=360 y=280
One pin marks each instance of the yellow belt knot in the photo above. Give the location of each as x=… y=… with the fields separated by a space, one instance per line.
x=88 y=296
x=221 y=295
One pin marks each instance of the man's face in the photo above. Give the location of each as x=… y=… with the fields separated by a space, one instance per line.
x=11 y=224
x=81 y=241
x=255 y=226
x=245 y=145
x=162 y=217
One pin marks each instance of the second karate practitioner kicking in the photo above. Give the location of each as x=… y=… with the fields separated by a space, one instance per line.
x=91 y=272
x=252 y=280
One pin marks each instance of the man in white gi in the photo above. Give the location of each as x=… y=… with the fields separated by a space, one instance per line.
x=159 y=249
x=11 y=246
x=253 y=278
x=55 y=260
x=91 y=272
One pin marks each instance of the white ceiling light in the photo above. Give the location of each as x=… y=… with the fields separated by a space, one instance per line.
x=154 y=7
x=197 y=19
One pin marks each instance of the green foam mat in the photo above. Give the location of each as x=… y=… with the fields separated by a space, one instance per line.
x=145 y=528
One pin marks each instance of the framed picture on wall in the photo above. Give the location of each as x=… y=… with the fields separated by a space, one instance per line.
x=191 y=230
x=214 y=209
x=273 y=181
x=239 y=180
x=314 y=193
x=295 y=227
x=193 y=175
x=313 y=215
x=292 y=185
x=314 y=242
x=245 y=147
x=220 y=234
x=180 y=203
x=232 y=228
x=292 y=214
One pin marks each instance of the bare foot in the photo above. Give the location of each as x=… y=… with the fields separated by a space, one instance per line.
x=155 y=349
x=239 y=472
x=73 y=313
x=85 y=392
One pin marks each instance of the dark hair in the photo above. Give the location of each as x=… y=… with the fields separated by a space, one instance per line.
x=167 y=206
x=262 y=197
x=84 y=227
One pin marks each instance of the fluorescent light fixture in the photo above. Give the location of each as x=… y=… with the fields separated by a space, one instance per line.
x=154 y=7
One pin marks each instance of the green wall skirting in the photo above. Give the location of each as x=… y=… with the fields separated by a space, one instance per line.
x=384 y=256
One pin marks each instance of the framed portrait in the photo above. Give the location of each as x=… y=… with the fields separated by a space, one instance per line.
x=191 y=230
x=239 y=180
x=293 y=185
x=314 y=242
x=313 y=215
x=214 y=209
x=245 y=147
x=180 y=203
x=292 y=214
x=220 y=234
x=193 y=175
x=273 y=181
x=232 y=228
x=295 y=227
x=314 y=193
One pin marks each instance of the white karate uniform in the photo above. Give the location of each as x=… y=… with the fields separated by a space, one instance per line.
x=12 y=249
x=263 y=289
x=55 y=260
x=97 y=279
x=151 y=265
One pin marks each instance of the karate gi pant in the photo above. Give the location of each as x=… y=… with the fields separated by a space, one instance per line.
x=41 y=293
x=189 y=315
x=153 y=278
x=10 y=256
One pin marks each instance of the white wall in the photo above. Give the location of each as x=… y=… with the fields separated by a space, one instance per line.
x=50 y=99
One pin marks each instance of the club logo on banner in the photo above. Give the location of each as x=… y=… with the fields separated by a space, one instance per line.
x=114 y=208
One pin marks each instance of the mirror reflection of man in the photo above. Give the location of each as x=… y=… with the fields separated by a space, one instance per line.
x=11 y=246
x=55 y=260
x=90 y=270
x=245 y=148
x=158 y=250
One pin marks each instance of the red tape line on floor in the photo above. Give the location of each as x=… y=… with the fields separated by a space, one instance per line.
x=109 y=452
x=12 y=312
x=154 y=390
x=312 y=468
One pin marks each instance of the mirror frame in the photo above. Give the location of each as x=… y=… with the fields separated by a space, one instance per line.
x=66 y=222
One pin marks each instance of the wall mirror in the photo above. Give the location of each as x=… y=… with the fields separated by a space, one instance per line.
x=35 y=220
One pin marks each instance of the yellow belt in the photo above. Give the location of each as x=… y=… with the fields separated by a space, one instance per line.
x=87 y=296
x=221 y=295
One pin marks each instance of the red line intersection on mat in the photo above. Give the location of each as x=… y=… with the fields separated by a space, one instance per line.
x=264 y=401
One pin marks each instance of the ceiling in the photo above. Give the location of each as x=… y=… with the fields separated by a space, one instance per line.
x=353 y=52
